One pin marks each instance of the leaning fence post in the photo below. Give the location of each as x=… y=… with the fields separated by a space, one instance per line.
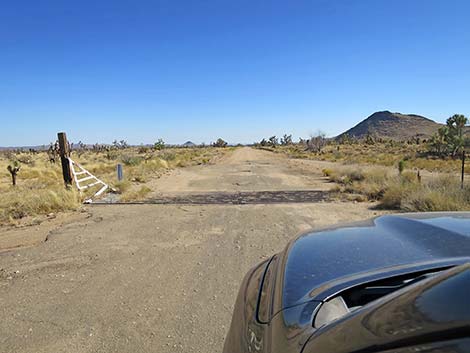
x=64 y=158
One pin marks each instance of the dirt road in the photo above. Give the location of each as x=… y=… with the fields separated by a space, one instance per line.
x=158 y=278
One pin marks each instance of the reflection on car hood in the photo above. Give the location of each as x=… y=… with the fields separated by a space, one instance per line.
x=320 y=257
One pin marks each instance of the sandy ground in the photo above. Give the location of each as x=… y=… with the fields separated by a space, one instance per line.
x=156 y=278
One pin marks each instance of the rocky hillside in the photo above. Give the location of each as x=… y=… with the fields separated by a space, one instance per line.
x=394 y=126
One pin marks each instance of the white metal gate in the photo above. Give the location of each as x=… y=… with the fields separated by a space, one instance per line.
x=85 y=180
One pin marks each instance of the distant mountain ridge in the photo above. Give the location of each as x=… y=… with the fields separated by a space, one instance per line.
x=37 y=148
x=395 y=126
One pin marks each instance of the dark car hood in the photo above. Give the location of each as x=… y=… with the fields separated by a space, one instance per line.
x=429 y=315
x=318 y=262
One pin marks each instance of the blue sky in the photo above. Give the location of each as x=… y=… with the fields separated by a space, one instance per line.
x=239 y=69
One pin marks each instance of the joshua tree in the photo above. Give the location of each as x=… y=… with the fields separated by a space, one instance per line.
x=159 y=145
x=450 y=139
x=439 y=141
x=14 y=168
x=286 y=140
x=273 y=141
x=79 y=147
x=120 y=145
x=219 y=143
x=456 y=124
x=53 y=152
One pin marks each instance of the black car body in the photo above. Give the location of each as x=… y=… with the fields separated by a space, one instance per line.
x=396 y=283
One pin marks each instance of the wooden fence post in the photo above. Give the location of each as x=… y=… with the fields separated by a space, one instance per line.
x=64 y=158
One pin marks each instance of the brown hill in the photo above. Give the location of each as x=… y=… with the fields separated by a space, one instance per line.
x=394 y=126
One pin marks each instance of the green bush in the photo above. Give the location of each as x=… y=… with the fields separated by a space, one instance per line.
x=401 y=166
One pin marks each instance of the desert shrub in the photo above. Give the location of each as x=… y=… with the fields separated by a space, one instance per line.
x=112 y=155
x=101 y=169
x=156 y=164
x=355 y=175
x=122 y=186
x=346 y=175
x=327 y=172
x=8 y=155
x=131 y=160
x=437 y=196
x=26 y=159
x=394 y=195
x=377 y=175
x=167 y=155
x=369 y=182
x=373 y=191
x=401 y=166
x=337 y=155
x=139 y=178
x=427 y=200
x=403 y=192
x=143 y=150
x=409 y=177
x=136 y=195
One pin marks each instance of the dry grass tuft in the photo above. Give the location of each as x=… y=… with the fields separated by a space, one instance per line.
x=20 y=202
x=136 y=195
x=402 y=192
